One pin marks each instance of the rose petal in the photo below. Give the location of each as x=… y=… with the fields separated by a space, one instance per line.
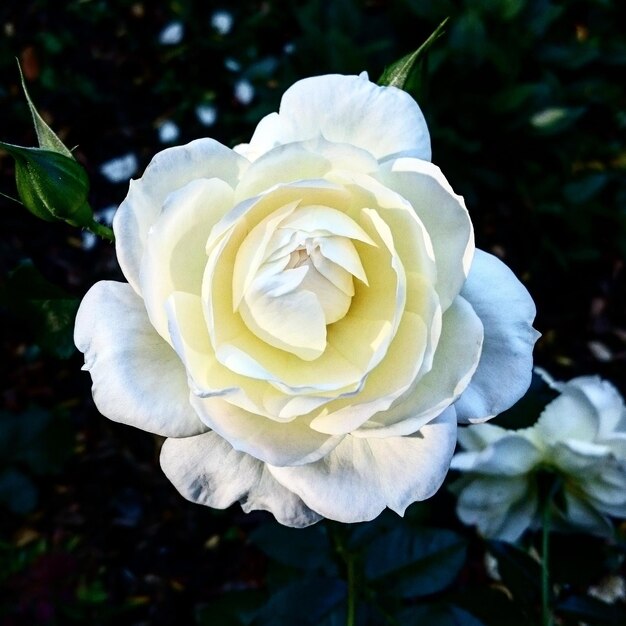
x=360 y=477
x=278 y=443
x=175 y=257
x=569 y=416
x=505 y=368
x=579 y=512
x=137 y=378
x=455 y=361
x=207 y=470
x=501 y=507
x=168 y=171
x=444 y=216
x=511 y=455
x=480 y=436
x=344 y=109
x=603 y=397
x=208 y=377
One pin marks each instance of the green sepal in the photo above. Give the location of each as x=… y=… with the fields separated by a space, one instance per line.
x=51 y=185
x=398 y=74
x=46 y=137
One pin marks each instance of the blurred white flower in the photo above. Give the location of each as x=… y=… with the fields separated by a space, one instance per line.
x=105 y=216
x=172 y=34
x=168 y=132
x=580 y=437
x=88 y=240
x=120 y=169
x=222 y=22
x=610 y=589
x=244 y=91
x=207 y=114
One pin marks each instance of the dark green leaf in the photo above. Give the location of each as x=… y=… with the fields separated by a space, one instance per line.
x=415 y=562
x=35 y=439
x=51 y=185
x=399 y=73
x=362 y=535
x=17 y=491
x=234 y=608
x=520 y=573
x=307 y=602
x=48 y=310
x=585 y=188
x=306 y=548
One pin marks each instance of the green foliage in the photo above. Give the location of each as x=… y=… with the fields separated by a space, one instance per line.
x=387 y=563
x=45 y=308
x=310 y=601
x=409 y=72
x=305 y=548
x=415 y=562
x=32 y=443
x=234 y=608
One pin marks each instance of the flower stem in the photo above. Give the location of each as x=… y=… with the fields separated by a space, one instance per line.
x=546 y=614
x=337 y=534
x=351 y=612
x=101 y=230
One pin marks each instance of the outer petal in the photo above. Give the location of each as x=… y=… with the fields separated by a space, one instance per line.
x=567 y=417
x=207 y=470
x=507 y=312
x=603 y=397
x=279 y=443
x=168 y=171
x=501 y=507
x=137 y=378
x=511 y=455
x=344 y=109
x=444 y=215
x=478 y=437
x=361 y=477
x=579 y=512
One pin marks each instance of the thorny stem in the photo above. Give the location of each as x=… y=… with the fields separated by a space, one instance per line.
x=102 y=231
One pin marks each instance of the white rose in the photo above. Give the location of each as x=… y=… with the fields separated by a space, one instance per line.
x=580 y=437
x=306 y=317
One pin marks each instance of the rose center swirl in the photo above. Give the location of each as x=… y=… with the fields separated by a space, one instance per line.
x=303 y=277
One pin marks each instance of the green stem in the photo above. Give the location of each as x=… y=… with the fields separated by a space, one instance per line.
x=349 y=559
x=546 y=614
x=101 y=230
x=351 y=612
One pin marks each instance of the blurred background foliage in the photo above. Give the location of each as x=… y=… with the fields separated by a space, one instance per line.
x=526 y=105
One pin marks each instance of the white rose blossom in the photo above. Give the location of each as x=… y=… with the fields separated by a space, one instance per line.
x=306 y=317
x=580 y=437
